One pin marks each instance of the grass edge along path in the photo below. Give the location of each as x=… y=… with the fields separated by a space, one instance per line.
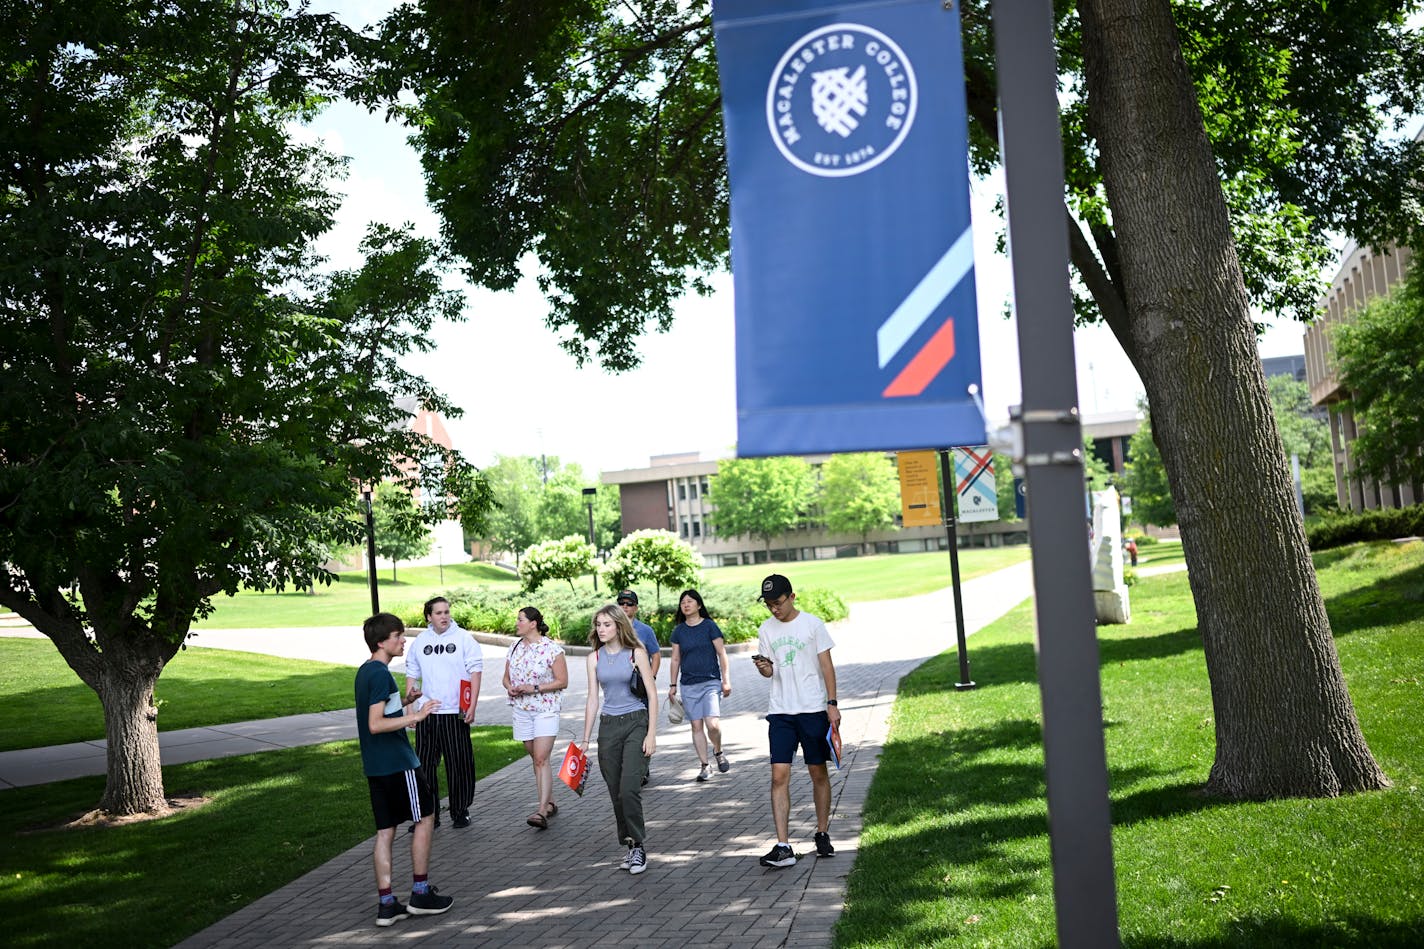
x=955 y=848
x=154 y=883
x=201 y=687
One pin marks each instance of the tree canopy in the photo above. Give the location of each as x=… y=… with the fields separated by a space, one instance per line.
x=859 y=493
x=761 y=497
x=1379 y=354
x=400 y=531
x=187 y=403
x=1244 y=116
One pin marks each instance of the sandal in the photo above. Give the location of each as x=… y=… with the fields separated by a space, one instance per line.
x=538 y=820
x=553 y=809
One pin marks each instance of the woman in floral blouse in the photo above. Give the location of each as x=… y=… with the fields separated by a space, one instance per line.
x=535 y=677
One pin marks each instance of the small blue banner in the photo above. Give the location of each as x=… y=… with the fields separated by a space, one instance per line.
x=852 y=257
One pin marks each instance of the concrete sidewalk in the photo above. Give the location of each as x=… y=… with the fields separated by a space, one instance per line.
x=514 y=885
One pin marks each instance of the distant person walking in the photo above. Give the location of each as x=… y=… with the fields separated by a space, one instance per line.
x=625 y=734
x=399 y=792
x=629 y=601
x=535 y=677
x=441 y=659
x=699 y=666
x=794 y=651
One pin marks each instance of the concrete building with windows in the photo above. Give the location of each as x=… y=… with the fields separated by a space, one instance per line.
x=673 y=493
x=1363 y=276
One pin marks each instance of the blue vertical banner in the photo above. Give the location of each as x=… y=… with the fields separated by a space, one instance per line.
x=852 y=257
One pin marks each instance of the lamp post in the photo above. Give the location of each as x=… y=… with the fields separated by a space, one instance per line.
x=440 y=555
x=588 y=494
x=371 y=550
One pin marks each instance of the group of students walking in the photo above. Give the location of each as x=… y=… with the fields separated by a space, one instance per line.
x=443 y=670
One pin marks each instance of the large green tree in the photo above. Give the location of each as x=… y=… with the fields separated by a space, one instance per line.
x=1380 y=357
x=1145 y=479
x=1186 y=125
x=761 y=497
x=859 y=493
x=185 y=409
x=515 y=483
x=400 y=529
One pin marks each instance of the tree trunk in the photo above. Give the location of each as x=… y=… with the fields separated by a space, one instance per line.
x=135 y=774
x=1285 y=725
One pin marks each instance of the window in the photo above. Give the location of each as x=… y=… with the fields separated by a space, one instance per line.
x=684 y=528
x=696 y=528
x=682 y=492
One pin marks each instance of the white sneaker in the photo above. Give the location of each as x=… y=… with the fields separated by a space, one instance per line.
x=638 y=860
x=627 y=863
x=705 y=773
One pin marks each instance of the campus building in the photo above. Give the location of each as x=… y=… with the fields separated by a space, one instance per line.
x=1363 y=276
x=673 y=494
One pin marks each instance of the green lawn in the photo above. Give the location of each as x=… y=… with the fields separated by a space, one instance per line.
x=882 y=577
x=199 y=687
x=955 y=849
x=270 y=818
x=348 y=601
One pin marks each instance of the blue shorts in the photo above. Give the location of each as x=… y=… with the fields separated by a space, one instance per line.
x=807 y=729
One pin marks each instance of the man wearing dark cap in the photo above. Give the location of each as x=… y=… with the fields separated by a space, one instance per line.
x=794 y=652
x=629 y=601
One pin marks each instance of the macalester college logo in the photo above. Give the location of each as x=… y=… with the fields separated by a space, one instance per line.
x=841 y=100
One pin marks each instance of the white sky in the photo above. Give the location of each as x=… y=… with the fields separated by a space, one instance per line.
x=523 y=395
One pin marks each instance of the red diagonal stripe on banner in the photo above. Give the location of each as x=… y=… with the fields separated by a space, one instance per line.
x=927 y=364
x=979 y=465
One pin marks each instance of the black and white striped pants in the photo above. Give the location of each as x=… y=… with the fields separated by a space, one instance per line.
x=448 y=737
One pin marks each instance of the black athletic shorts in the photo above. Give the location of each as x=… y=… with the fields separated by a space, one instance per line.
x=400 y=797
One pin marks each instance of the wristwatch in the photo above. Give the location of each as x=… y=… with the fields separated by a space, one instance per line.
x=831 y=702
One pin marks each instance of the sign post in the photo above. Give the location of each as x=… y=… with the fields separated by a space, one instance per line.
x=950 y=522
x=1080 y=826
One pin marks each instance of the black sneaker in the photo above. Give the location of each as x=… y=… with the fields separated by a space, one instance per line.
x=637 y=859
x=780 y=856
x=823 y=845
x=461 y=821
x=430 y=903
x=388 y=913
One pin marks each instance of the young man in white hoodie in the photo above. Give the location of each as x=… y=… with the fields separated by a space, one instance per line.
x=435 y=665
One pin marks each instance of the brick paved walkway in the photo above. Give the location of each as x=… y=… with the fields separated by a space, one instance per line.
x=517 y=886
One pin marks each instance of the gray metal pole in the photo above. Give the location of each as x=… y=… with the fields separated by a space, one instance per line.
x=371 y=551
x=951 y=523
x=1080 y=826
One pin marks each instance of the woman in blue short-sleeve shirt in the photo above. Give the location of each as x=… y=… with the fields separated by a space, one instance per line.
x=699 y=671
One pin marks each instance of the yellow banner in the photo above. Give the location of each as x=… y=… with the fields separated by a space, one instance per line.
x=919 y=488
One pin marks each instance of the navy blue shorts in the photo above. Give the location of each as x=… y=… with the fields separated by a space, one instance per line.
x=400 y=797
x=807 y=729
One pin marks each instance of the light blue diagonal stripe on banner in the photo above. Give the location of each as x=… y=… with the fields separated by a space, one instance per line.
x=912 y=312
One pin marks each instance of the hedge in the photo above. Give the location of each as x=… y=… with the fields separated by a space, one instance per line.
x=570 y=613
x=1384 y=524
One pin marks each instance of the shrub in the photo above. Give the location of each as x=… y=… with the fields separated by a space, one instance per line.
x=660 y=557
x=565 y=559
x=570 y=613
x=1385 y=524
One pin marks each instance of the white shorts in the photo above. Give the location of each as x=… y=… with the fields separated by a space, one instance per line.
x=530 y=725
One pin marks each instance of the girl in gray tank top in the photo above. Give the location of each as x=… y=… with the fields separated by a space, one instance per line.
x=625 y=729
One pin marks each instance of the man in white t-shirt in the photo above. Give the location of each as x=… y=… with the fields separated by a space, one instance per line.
x=794 y=652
